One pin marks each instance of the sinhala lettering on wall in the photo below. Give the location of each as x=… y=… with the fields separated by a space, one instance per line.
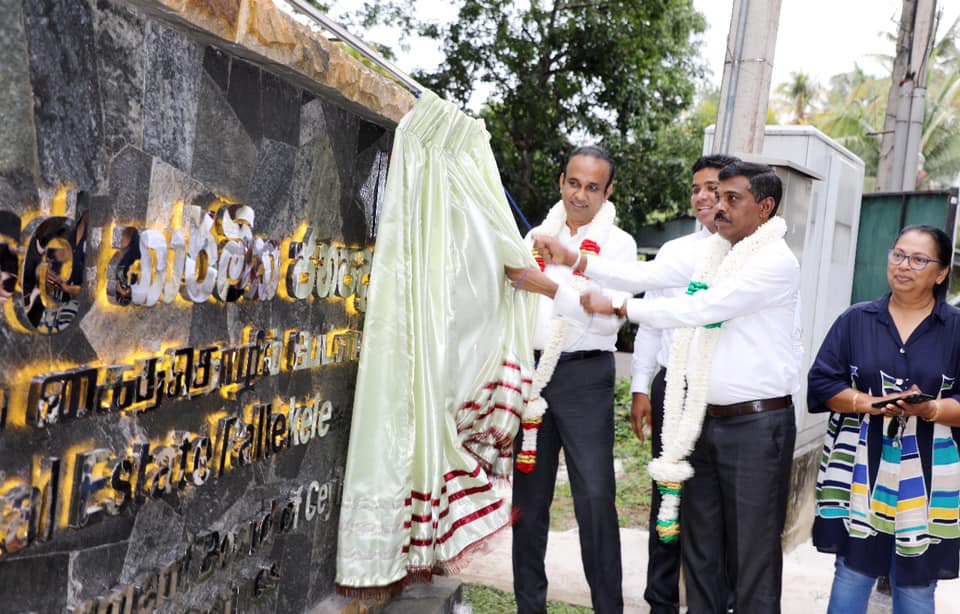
x=215 y=256
x=187 y=228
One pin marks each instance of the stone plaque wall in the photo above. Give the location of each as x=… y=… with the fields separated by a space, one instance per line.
x=186 y=228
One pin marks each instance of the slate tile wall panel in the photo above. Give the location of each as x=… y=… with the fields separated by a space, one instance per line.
x=172 y=73
x=17 y=148
x=136 y=117
x=63 y=72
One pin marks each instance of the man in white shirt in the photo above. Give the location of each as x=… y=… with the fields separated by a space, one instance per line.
x=729 y=426
x=651 y=349
x=579 y=395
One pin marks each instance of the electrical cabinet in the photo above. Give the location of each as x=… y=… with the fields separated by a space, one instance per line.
x=823 y=185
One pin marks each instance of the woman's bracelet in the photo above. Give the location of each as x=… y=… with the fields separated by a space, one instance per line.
x=936 y=411
x=853 y=403
x=519 y=282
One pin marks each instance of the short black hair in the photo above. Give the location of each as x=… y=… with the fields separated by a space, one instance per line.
x=594 y=151
x=764 y=182
x=944 y=252
x=717 y=161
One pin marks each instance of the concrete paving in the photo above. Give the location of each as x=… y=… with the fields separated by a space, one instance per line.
x=807 y=574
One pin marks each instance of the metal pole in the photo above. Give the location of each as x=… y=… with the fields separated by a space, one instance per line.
x=364 y=49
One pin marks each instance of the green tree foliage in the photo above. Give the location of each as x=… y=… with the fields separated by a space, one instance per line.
x=678 y=144
x=559 y=73
x=940 y=143
x=853 y=115
x=568 y=72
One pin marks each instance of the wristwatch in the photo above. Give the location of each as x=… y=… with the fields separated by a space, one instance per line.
x=620 y=310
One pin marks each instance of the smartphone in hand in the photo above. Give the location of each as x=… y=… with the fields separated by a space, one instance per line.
x=913 y=398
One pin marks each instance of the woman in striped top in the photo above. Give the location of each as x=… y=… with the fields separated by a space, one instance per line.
x=889 y=479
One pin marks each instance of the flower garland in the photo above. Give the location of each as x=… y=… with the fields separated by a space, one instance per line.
x=684 y=411
x=536 y=405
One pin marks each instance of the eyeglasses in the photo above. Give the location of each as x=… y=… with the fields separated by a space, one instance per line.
x=918 y=262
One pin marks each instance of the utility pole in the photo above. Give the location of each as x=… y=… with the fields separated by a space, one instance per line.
x=903 y=126
x=747 y=71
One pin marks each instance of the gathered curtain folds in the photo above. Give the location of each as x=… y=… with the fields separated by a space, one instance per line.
x=446 y=360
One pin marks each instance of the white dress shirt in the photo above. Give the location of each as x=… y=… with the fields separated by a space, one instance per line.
x=758 y=353
x=651 y=346
x=584 y=332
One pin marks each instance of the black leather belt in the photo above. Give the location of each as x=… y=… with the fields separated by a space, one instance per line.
x=579 y=355
x=748 y=407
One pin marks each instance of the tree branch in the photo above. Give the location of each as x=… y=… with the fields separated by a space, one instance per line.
x=583 y=5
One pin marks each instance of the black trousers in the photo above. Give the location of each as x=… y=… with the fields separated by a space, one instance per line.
x=734 y=509
x=663 y=559
x=579 y=420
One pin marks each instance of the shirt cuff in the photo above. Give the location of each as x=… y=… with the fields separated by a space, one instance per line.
x=635 y=310
x=616 y=296
x=640 y=384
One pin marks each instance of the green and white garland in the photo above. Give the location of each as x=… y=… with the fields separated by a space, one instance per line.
x=536 y=405
x=683 y=412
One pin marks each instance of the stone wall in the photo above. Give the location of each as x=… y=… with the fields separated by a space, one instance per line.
x=189 y=194
x=801 y=505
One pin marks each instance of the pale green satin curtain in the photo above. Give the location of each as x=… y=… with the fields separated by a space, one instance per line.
x=441 y=320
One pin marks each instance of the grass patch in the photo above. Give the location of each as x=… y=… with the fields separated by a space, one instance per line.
x=561 y=511
x=486 y=600
x=633 y=487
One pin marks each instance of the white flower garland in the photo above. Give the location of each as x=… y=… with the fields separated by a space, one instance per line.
x=683 y=412
x=536 y=405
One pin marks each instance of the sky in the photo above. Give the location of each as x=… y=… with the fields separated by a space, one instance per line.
x=819 y=37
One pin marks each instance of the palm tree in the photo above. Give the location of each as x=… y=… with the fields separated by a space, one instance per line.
x=800 y=91
x=853 y=116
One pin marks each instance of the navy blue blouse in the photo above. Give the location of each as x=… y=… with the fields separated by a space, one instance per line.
x=863 y=350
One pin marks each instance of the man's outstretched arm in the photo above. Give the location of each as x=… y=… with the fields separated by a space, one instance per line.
x=632 y=276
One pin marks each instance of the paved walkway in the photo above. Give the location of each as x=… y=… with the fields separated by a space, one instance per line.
x=807 y=574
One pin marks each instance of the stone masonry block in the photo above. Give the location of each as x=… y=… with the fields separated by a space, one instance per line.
x=63 y=70
x=171 y=91
x=16 y=97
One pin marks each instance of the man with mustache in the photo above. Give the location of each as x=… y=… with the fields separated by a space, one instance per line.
x=651 y=350
x=729 y=425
